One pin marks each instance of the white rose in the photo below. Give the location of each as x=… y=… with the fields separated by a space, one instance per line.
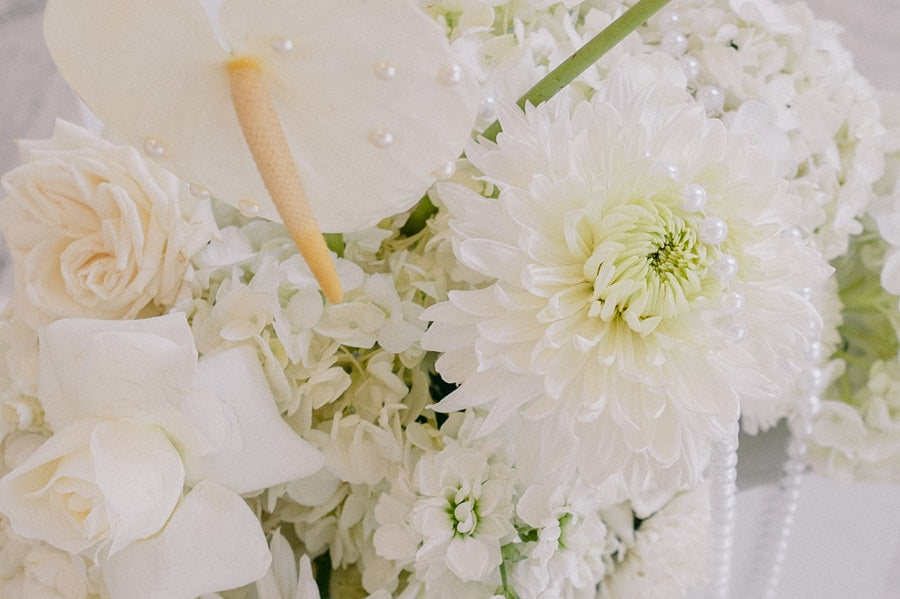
x=35 y=569
x=136 y=418
x=94 y=230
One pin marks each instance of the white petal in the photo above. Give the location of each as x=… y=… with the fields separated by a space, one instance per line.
x=141 y=476
x=471 y=559
x=306 y=587
x=161 y=73
x=213 y=542
x=112 y=368
x=269 y=452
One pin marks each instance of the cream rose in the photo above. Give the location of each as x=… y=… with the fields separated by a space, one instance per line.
x=136 y=420
x=94 y=230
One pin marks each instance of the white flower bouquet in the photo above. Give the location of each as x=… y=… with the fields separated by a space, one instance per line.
x=569 y=249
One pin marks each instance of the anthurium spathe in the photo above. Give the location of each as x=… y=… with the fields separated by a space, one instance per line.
x=369 y=95
x=136 y=421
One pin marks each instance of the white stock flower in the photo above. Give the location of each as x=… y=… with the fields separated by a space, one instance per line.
x=447 y=520
x=94 y=230
x=565 y=558
x=646 y=282
x=136 y=418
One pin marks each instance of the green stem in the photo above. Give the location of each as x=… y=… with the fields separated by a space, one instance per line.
x=584 y=57
x=418 y=217
x=335 y=243
x=555 y=80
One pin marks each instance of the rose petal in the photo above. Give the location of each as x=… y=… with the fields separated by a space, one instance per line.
x=269 y=452
x=141 y=476
x=24 y=495
x=212 y=542
x=113 y=368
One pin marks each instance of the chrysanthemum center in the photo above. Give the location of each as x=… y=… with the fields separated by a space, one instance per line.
x=648 y=262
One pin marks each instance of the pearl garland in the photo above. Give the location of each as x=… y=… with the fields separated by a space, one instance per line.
x=792 y=478
x=722 y=474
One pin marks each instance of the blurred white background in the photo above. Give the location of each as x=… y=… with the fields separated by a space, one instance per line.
x=846 y=543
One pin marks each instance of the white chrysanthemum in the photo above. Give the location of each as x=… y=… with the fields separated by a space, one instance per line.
x=647 y=282
x=667 y=557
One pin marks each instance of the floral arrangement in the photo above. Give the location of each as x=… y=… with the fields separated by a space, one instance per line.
x=509 y=373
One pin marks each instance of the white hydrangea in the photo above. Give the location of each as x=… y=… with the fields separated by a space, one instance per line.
x=861 y=440
x=667 y=556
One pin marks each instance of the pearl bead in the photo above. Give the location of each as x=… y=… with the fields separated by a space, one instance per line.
x=154 y=147
x=713 y=230
x=381 y=137
x=450 y=74
x=283 y=45
x=732 y=302
x=725 y=268
x=693 y=197
x=665 y=169
x=674 y=44
x=668 y=20
x=248 y=207
x=734 y=330
x=445 y=171
x=691 y=68
x=384 y=70
x=487 y=109
x=712 y=98
x=793 y=234
x=199 y=191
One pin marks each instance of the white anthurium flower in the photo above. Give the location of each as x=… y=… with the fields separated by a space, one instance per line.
x=136 y=419
x=649 y=284
x=369 y=94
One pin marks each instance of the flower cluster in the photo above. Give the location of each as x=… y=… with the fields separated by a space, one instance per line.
x=518 y=394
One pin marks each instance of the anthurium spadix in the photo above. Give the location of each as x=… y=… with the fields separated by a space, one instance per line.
x=367 y=94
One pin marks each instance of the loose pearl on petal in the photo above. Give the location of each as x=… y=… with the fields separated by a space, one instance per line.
x=248 y=207
x=445 y=171
x=154 y=147
x=381 y=137
x=666 y=169
x=450 y=74
x=199 y=191
x=384 y=70
x=283 y=45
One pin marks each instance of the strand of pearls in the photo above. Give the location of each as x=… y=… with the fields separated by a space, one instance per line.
x=792 y=478
x=722 y=473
